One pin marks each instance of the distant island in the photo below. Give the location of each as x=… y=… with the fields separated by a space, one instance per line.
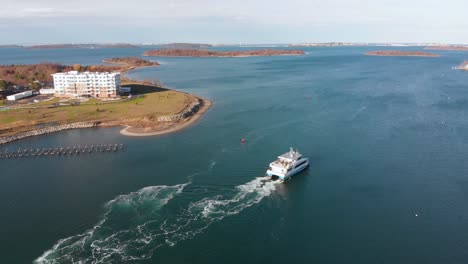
x=429 y=46
x=82 y=46
x=10 y=46
x=210 y=53
x=401 y=53
x=449 y=47
x=327 y=44
x=184 y=45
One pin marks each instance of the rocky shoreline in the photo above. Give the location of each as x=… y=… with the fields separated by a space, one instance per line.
x=46 y=130
x=189 y=111
x=183 y=119
x=177 y=122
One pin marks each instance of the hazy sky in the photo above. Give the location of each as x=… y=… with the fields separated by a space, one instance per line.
x=246 y=21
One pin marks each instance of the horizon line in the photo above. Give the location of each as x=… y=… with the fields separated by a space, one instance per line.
x=230 y=43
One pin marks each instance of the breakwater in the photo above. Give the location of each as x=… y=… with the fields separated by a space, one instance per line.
x=188 y=111
x=59 y=151
x=46 y=130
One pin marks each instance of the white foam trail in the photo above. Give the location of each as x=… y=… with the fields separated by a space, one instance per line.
x=146 y=201
x=133 y=227
x=212 y=165
x=358 y=112
x=250 y=193
x=201 y=214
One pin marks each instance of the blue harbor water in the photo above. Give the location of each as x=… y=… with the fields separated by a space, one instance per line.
x=387 y=138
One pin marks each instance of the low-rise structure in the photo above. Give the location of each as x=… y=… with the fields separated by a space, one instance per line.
x=18 y=96
x=86 y=84
x=47 y=91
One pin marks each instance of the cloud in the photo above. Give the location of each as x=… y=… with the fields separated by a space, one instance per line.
x=339 y=20
x=38 y=12
x=41 y=12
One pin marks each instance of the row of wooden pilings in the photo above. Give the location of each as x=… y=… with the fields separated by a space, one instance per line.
x=59 y=151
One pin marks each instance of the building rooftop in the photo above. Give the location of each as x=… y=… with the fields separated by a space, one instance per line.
x=85 y=73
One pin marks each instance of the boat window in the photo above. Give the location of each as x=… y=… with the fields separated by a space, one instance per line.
x=300 y=163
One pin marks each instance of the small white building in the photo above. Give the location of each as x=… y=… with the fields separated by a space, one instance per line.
x=89 y=84
x=47 y=91
x=18 y=96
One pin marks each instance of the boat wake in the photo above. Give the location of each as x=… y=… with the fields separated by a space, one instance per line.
x=135 y=225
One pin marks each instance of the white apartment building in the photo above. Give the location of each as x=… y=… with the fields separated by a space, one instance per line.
x=89 y=84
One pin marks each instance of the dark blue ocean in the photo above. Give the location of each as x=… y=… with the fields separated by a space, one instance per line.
x=387 y=138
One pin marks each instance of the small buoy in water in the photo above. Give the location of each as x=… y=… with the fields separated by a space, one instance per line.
x=243 y=140
x=416 y=215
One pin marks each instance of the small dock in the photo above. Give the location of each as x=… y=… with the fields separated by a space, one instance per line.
x=70 y=151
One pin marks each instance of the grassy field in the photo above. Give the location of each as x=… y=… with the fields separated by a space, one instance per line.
x=144 y=107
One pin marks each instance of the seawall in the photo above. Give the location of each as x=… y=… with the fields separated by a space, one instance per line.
x=46 y=130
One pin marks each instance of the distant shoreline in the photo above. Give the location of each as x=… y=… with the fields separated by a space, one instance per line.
x=80 y=46
x=397 y=53
x=459 y=48
x=220 y=54
x=240 y=56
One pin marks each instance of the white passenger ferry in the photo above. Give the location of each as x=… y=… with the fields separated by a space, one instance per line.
x=287 y=165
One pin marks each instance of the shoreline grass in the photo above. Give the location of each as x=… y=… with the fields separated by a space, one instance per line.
x=141 y=109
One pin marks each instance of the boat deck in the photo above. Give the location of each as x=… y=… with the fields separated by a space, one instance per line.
x=281 y=163
x=288 y=156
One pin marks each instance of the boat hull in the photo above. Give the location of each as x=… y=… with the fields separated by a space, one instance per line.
x=290 y=174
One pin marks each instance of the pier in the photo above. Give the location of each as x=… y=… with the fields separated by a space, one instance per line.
x=73 y=151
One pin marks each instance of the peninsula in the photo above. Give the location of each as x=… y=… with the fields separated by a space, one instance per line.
x=210 y=53
x=131 y=61
x=149 y=110
x=463 y=48
x=395 y=53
